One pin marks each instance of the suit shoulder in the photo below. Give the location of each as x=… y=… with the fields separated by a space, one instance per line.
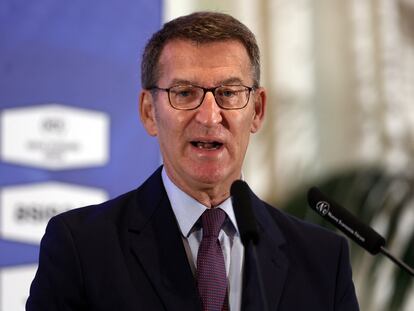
x=301 y=230
x=315 y=255
x=96 y=212
x=119 y=210
x=309 y=246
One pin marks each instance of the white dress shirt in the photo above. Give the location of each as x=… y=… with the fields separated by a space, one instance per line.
x=187 y=212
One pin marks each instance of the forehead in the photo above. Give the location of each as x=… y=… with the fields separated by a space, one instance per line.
x=206 y=64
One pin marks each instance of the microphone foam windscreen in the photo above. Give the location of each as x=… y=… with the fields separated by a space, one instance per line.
x=242 y=206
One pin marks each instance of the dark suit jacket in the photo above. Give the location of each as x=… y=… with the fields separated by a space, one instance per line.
x=127 y=254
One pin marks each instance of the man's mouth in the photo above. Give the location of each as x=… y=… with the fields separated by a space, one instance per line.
x=209 y=145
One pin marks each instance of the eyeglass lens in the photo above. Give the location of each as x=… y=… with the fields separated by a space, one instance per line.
x=228 y=96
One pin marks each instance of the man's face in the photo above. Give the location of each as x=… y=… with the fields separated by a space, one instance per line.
x=204 y=148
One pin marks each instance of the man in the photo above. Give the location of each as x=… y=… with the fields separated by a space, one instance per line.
x=148 y=249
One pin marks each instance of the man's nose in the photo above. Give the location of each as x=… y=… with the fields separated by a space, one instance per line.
x=209 y=113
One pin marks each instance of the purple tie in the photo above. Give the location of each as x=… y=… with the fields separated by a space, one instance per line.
x=211 y=270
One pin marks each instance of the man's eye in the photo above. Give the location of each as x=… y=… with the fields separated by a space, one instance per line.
x=227 y=93
x=183 y=92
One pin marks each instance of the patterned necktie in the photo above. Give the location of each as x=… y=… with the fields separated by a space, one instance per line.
x=211 y=270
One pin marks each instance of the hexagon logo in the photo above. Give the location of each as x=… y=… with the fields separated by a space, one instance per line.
x=25 y=210
x=54 y=136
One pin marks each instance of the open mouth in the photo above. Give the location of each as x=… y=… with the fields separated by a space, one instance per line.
x=210 y=145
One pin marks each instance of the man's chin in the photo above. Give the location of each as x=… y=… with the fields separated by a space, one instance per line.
x=210 y=177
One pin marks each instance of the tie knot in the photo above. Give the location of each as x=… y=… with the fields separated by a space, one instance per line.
x=212 y=220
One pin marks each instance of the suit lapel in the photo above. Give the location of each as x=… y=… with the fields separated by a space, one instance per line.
x=156 y=242
x=273 y=262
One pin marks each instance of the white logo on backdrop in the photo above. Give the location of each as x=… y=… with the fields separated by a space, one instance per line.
x=25 y=210
x=54 y=136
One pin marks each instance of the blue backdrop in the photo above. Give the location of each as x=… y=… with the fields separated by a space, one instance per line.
x=81 y=54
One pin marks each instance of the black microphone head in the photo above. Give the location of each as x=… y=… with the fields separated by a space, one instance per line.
x=242 y=206
x=362 y=234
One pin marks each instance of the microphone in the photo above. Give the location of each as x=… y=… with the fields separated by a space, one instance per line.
x=362 y=234
x=244 y=214
x=246 y=222
x=359 y=232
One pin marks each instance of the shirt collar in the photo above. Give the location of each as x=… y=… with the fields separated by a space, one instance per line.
x=187 y=210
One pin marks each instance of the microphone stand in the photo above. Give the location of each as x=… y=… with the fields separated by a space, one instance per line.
x=259 y=276
x=400 y=263
x=248 y=230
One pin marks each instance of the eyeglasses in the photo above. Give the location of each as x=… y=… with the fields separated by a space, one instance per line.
x=189 y=97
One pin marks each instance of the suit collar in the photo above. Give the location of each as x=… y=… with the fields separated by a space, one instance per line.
x=188 y=211
x=156 y=243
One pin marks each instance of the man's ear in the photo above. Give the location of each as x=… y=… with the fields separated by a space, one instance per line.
x=259 y=109
x=147 y=112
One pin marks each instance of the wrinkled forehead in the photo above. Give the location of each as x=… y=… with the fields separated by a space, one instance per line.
x=187 y=59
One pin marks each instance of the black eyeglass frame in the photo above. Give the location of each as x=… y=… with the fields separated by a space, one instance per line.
x=205 y=90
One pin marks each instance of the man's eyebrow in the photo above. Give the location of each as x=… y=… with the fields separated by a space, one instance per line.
x=181 y=82
x=231 y=80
